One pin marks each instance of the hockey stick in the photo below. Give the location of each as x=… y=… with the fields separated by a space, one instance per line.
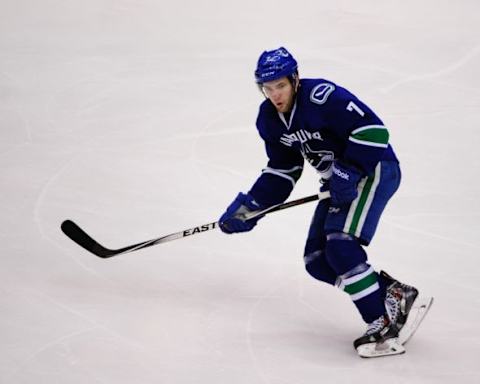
x=79 y=236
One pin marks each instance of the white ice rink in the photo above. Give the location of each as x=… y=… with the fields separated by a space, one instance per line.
x=136 y=118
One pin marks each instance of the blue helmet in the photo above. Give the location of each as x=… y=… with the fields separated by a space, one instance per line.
x=273 y=65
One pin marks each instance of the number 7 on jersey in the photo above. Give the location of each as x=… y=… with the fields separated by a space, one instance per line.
x=354 y=107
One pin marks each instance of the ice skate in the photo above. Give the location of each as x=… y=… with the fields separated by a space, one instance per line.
x=399 y=300
x=380 y=339
x=404 y=307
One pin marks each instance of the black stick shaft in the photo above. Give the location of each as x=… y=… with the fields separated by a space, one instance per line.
x=79 y=236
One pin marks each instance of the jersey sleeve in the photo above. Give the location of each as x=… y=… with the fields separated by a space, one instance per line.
x=278 y=178
x=365 y=135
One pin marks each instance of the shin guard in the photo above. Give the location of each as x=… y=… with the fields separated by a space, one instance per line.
x=356 y=277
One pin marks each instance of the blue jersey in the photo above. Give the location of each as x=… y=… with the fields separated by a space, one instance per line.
x=327 y=123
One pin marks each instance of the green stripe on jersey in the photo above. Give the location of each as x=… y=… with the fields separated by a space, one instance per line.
x=373 y=135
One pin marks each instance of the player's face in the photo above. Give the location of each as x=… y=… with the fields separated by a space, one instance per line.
x=281 y=93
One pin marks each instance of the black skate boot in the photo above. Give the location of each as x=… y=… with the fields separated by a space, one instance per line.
x=404 y=307
x=399 y=300
x=380 y=339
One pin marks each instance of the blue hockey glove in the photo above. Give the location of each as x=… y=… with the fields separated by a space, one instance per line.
x=343 y=184
x=324 y=185
x=242 y=204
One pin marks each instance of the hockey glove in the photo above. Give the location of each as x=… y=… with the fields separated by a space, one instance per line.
x=324 y=185
x=343 y=184
x=232 y=222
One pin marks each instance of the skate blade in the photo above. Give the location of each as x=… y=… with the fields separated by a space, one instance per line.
x=419 y=309
x=386 y=348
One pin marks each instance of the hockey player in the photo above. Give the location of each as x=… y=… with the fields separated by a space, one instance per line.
x=346 y=142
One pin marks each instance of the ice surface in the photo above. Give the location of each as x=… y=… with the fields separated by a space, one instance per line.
x=136 y=119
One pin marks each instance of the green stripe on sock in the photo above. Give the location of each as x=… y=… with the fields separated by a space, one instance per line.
x=362 y=284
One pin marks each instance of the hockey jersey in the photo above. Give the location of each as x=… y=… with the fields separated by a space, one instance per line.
x=326 y=123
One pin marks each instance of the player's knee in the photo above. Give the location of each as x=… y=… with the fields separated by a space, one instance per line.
x=318 y=268
x=343 y=252
x=312 y=264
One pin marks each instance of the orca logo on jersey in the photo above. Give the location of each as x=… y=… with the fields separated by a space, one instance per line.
x=320 y=93
x=320 y=159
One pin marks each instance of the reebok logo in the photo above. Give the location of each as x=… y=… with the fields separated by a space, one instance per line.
x=341 y=174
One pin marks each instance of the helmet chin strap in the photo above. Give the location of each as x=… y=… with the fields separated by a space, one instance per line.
x=294 y=79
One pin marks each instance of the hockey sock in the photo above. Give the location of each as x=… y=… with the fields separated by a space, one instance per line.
x=361 y=283
x=348 y=259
